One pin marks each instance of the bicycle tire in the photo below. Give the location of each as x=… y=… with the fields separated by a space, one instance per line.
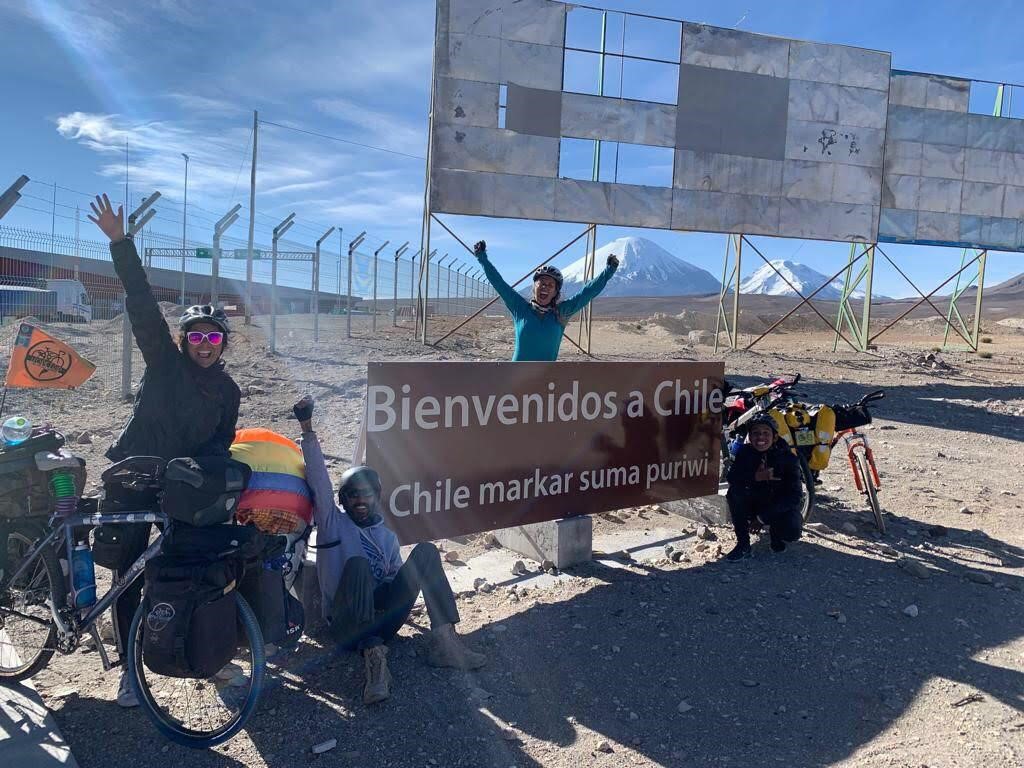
x=29 y=534
x=253 y=640
x=870 y=492
x=807 y=502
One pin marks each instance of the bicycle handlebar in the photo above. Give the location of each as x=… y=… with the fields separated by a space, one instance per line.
x=870 y=397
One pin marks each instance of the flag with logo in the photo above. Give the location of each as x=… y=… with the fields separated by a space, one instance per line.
x=39 y=361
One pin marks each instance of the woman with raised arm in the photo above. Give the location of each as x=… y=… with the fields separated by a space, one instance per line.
x=186 y=404
x=540 y=321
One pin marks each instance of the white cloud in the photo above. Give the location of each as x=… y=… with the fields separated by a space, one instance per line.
x=388 y=129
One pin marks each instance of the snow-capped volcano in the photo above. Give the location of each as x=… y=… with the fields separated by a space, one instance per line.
x=766 y=281
x=645 y=269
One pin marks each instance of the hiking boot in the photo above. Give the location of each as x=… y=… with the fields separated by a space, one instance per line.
x=378 y=678
x=125 y=695
x=448 y=650
x=739 y=552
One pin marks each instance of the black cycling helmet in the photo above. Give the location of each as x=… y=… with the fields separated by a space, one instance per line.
x=353 y=474
x=763 y=420
x=204 y=313
x=553 y=272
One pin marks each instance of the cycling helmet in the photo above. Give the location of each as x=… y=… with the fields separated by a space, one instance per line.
x=553 y=272
x=353 y=474
x=763 y=420
x=204 y=313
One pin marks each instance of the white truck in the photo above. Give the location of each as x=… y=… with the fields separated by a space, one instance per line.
x=73 y=304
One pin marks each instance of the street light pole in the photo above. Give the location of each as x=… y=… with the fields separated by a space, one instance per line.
x=394 y=307
x=355 y=243
x=184 y=223
x=316 y=286
x=279 y=231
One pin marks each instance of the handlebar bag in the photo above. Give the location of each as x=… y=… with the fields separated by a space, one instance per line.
x=849 y=416
x=203 y=491
x=190 y=621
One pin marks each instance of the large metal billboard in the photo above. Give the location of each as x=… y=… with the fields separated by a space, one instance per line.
x=764 y=135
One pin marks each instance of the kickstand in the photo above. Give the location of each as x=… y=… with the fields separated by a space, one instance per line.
x=94 y=633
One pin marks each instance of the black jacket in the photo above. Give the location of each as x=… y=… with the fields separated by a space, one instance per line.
x=180 y=409
x=785 y=487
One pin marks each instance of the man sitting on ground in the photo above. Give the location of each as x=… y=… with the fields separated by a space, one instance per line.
x=764 y=489
x=367 y=591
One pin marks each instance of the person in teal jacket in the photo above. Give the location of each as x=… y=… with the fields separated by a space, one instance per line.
x=539 y=322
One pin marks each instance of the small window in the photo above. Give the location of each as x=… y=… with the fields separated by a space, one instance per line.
x=652 y=38
x=983 y=97
x=649 y=166
x=618 y=162
x=584 y=73
x=650 y=81
x=576 y=159
x=583 y=28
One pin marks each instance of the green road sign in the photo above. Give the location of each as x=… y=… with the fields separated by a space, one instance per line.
x=243 y=253
x=204 y=253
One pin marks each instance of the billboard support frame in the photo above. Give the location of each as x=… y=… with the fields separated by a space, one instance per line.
x=954 y=311
x=846 y=312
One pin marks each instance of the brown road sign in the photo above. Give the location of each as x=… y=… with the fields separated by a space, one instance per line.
x=467 y=447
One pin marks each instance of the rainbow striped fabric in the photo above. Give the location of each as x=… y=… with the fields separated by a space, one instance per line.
x=277 y=499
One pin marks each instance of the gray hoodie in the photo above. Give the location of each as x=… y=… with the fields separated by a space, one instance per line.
x=377 y=543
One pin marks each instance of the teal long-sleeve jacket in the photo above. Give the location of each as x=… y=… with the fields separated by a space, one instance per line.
x=539 y=336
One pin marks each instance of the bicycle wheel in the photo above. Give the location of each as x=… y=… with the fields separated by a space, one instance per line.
x=808 y=496
x=201 y=713
x=870 y=491
x=27 y=631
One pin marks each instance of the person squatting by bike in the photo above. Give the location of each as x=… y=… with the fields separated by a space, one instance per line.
x=540 y=321
x=367 y=591
x=764 y=489
x=186 y=403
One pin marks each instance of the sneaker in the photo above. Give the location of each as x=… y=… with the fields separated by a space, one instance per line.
x=448 y=650
x=739 y=552
x=125 y=695
x=378 y=678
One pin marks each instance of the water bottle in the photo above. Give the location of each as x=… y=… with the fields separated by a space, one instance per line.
x=83 y=575
x=16 y=430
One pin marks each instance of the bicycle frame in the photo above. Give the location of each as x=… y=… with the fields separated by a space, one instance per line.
x=62 y=534
x=855 y=441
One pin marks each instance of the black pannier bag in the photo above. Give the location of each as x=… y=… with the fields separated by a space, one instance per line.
x=279 y=613
x=190 y=621
x=25 y=488
x=203 y=491
x=851 y=416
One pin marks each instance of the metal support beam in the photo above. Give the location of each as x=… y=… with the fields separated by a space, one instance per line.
x=394 y=307
x=376 y=253
x=12 y=195
x=219 y=229
x=978 y=278
x=315 y=303
x=847 y=315
x=730 y=278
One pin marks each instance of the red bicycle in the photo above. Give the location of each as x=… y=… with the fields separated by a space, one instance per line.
x=849 y=419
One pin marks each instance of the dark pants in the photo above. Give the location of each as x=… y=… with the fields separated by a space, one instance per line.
x=783 y=520
x=365 y=614
x=136 y=539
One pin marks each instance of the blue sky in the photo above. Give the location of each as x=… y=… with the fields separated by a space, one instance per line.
x=184 y=76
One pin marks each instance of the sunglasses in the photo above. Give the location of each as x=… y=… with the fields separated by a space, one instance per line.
x=195 y=338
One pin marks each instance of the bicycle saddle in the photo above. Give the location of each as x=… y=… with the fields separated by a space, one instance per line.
x=132 y=467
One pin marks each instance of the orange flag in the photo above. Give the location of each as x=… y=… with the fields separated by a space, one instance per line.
x=39 y=361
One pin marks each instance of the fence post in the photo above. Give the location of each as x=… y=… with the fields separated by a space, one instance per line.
x=126 y=350
x=279 y=231
x=348 y=299
x=316 y=286
x=394 y=306
x=373 y=323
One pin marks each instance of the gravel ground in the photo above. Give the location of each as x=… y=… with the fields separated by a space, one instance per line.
x=811 y=658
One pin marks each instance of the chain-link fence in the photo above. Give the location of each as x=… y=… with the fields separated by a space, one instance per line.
x=69 y=287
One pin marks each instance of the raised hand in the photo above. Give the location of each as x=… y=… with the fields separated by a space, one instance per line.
x=613 y=261
x=112 y=224
x=480 y=249
x=303 y=409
